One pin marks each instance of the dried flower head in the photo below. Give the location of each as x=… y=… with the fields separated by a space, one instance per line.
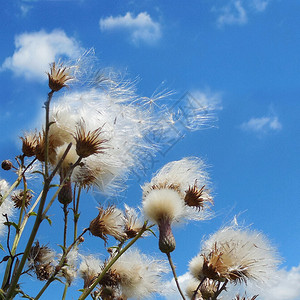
x=197 y=198
x=89 y=269
x=20 y=198
x=235 y=255
x=41 y=259
x=138 y=275
x=110 y=221
x=88 y=143
x=69 y=270
x=29 y=142
x=6 y=165
x=132 y=221
x=58 y=77
x=40 y=148
x=207 y=289
x=238 y=297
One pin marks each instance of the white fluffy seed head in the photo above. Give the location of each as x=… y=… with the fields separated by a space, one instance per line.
x=163 y=204
x=89 y=268
x=196 y=267
x=139 y=274
x=168 y=190
x=238 y=255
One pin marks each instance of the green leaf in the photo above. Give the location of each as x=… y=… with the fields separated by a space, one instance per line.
x=12 y=224
x=32 y=214
x=49 y=220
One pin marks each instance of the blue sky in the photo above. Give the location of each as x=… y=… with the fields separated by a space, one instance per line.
x=240 y=57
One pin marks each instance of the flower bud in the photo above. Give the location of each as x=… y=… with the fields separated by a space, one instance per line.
x=6 y=165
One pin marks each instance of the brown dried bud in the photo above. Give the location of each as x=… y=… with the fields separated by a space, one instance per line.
x=44 y=271
x=19 y=198
x=65 y=195
x=58 y=77
x=81 y=240
x=6 y=165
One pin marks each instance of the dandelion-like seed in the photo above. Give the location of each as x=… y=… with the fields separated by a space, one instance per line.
x=173 y=195
x=20 y=198
x=109 y=221
x=40 y=148
x=138 y=275
x=88 y=143
x=58 y=77
x=235 y=255
x=29 y=143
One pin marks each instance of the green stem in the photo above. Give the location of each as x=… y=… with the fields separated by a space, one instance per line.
x=75 y=212
x=88 y=290
x=65 y=209
x=65 y=291
x=175 y=275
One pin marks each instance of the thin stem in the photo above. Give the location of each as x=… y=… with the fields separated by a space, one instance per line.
x=174 y=274
x=220 y=290
x=88 y=290
x=65 y=291
x=65 y=209
x=75 y=212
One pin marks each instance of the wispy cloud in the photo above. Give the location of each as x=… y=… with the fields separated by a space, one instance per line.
x=262 y=125
x=285 y=286
x=208 y=99
x=140 y=28
x=236 y=12
x=34 y=51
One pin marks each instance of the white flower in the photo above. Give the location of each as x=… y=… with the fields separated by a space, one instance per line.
x=235 y=255
x=7 y=205
x=139 y=275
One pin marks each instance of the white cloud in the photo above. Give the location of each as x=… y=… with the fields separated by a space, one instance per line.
x=286 y=286
x=208 y=99
x=236 y=12
x=262 y=125
x=34 y=51
x=260 y=5
x=233 y=13
x=140 y=28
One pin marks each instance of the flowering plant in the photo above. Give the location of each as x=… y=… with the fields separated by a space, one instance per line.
x=94 y=137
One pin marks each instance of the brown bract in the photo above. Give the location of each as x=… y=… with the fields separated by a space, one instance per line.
x=19 y=197
x=58 y=77
x=197 y=197
x=29 y=143
x=88 y=143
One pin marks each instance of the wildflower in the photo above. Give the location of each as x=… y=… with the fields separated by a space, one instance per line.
x=235 y=255
x=29 y=143
x=88 y=143
x=41 y=259
x=58 y=77
x=20 y=198
x=138 y=275
x=108 y=222
x=89 y=269
x=39 y=149
x=6 y=165
x=173 y=195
